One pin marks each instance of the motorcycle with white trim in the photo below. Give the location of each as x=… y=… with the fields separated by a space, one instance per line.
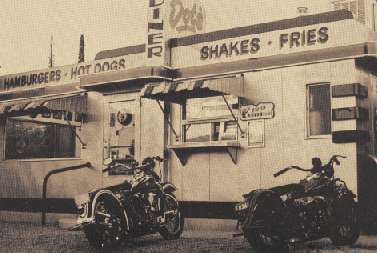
x=139 y=206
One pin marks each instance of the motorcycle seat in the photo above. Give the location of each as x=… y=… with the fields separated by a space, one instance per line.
x=120 y=187
x=294 y=189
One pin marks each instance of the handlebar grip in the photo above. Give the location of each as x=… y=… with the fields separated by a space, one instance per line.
x=159 y=159
x=279 y=173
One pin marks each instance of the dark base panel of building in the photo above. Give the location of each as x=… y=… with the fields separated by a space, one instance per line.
x=53 y=205
x=191 y=209
x=209 y=210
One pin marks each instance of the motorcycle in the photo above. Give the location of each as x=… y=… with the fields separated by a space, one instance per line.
x=139 y=206
x=273 y=220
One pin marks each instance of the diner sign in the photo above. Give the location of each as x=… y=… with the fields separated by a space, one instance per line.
x=260 y=111
x=193 y=52
x=64 y=74
x=253 y=45
x=155 y=32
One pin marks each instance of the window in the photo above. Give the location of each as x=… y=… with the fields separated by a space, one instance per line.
x=209 y=119
x=319 y=110
x=26 y=140
x=374 y=17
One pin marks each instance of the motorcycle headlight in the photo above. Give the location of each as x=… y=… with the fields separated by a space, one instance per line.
x=83 y=210
x=241 y=206
x=339 y=184
x=81 y=200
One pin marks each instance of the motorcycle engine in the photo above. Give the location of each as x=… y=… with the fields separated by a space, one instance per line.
x=311 y=215
x=151 y=207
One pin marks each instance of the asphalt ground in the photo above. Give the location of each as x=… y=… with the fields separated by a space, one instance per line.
x=30 y=238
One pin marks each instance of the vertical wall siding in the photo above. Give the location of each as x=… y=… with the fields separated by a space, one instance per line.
x=211 y=176
x=2 y=137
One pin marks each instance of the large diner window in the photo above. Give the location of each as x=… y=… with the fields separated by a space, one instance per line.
x=319 y=110
x=209 y=119
x=29 y=140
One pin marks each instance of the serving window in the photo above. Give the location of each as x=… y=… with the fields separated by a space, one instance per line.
x=210 y=114
x=29 y=140
x=209 y=119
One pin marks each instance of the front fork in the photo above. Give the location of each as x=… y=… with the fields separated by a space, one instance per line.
x=83 y=222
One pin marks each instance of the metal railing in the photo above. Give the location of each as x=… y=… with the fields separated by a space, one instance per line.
x=45 y=181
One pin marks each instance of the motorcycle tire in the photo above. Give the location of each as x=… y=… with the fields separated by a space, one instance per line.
x=267 y=207
x=174 y=229
x=344 y=228
x=266 y=244
x=100 y=237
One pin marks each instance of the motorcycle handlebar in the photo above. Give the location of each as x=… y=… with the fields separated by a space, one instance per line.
x=147 y=165
x=334 y=158
x=287 y=169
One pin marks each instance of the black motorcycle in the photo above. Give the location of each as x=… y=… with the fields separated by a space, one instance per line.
x=319 y=206
x=139 y=206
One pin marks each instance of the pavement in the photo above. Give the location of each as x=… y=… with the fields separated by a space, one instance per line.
x=26 y=235
x=32 y=238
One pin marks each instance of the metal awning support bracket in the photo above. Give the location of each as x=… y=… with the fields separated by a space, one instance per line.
x=234 y=116
x=77 y=136
x=169 y=122
x=233 y=153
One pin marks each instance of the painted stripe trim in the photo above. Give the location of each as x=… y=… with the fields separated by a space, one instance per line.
x=137 y=49
x=326 y=17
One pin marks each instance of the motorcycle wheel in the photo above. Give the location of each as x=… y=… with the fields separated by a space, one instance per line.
x=108 y=230
x=259 y=239
x=173 y=227
x=344 y=229
x=263 y=243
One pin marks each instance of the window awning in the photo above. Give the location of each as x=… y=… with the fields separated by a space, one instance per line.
x=145 y=74
x=178 y=92
x=76 y=102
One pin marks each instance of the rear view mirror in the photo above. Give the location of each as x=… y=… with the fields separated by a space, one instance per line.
x=107 y=161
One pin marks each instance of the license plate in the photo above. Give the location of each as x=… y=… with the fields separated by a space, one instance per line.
x=241 y=206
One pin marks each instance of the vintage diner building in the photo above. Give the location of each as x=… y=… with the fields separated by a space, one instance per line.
x=226 y=108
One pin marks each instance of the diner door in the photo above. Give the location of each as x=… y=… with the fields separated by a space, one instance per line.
x=122 y=129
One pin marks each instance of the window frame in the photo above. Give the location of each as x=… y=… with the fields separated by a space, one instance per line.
x=307 y=112
x=208 y=120
x=76 y=147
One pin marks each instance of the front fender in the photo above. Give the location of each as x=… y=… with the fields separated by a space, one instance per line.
x=168 y=188
x=264 y=206
x=89 y=218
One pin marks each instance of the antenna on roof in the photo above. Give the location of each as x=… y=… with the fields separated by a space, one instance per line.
x=82 y=49
x=51 y=58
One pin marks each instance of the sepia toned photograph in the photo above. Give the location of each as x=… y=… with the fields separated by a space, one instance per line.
x=173 y=126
